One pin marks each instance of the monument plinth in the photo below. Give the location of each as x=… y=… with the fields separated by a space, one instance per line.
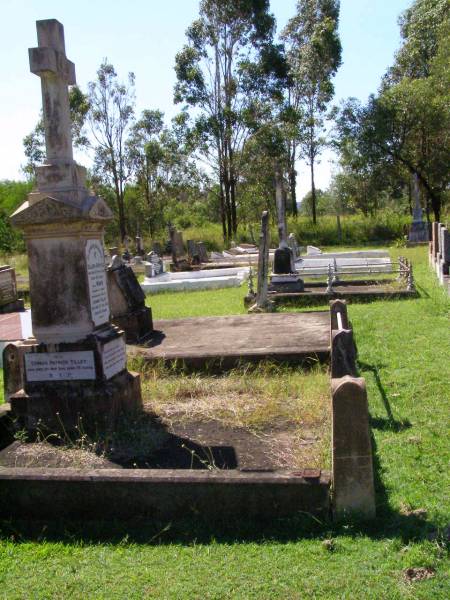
x=76 y=364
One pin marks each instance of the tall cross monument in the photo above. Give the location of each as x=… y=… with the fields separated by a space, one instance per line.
x=76 y=362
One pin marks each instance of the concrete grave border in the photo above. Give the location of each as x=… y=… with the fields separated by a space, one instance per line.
x=166 y=493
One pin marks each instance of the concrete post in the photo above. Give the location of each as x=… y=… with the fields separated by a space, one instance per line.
x=353 y=487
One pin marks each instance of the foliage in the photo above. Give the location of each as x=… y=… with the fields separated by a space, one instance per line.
x=110 y=116
x=12 y=195
x=405 y=130
x=224 y=72
x=313 y=56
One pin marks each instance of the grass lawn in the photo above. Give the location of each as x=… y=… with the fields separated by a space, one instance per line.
x=404 y=349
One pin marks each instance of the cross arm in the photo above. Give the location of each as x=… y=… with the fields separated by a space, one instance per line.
x=49 y=60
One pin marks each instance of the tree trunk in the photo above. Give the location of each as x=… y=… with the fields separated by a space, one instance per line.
x=313 y=192
x=222 y=209
x=292 y=187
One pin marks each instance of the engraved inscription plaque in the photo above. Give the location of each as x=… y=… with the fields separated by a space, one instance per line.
x=60 y=366
x=98 y=292
x=114 y=357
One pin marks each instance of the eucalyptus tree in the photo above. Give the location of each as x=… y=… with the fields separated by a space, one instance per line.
x=34 y=142
x=313 y=53
x=406 y=127
x=111 y=115
x=222 y=72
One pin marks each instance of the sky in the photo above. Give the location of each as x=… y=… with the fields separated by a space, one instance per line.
x=143 y=36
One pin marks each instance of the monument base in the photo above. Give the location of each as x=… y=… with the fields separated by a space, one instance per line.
x=16 y=306
x=54 y=385
x=59 y=406
x=286 y=283
x=137 y=325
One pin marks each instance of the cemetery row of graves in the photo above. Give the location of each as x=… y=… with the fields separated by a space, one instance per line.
x=71 y=374
x=283 y=396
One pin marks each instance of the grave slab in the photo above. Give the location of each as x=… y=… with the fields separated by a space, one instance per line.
x=287 y=337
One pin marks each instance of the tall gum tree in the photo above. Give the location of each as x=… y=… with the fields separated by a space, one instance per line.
x=313 y=52
x=110 y=118
x=216 y=74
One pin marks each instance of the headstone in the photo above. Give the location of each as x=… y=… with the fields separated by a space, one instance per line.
x=193 y=252
x=113 y=251
x=154 y=266
x=313 y=251
x=139 y=248
x=9 y=302
x=71 y=369
x=284 y=277
x=262 y=302
x=418 y=231
x=127 y=301
x=203 y=252
x=292 y=243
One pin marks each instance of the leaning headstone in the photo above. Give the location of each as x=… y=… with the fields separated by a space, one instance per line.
x=127 y=302
x=284 y=277
x=418 y=231
x=76 y=366
x=9 y=302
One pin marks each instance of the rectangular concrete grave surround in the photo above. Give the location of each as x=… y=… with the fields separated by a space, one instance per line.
x=76 y=360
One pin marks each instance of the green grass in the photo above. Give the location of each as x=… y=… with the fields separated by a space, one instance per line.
x=404 y=349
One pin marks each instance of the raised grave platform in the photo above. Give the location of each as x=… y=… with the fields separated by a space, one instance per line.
x=284 y=337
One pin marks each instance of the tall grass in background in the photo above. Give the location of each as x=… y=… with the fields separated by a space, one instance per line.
x=355 y=230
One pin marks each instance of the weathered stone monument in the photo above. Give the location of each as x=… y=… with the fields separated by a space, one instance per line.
x=127 y=302
x=76 y=364
x=262 y=303
x=155 y=265
x=284 y=277
x=418 y=231
x=9 y=301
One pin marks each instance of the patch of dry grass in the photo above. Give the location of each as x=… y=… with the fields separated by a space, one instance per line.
x=270 y=401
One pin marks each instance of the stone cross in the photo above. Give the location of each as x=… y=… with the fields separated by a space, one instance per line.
x=281 y=208
x=50 y=63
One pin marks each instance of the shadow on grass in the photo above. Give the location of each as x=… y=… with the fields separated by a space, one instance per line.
x=388 y=423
